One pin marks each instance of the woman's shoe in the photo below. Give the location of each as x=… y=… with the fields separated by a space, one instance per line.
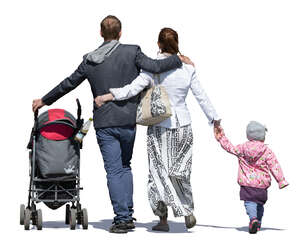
x=190 y=221
x=161 y=227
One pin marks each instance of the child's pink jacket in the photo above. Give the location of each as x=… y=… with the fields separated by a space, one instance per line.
x=256 y=160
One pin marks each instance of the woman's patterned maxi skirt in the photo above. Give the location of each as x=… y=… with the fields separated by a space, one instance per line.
x=170 y=161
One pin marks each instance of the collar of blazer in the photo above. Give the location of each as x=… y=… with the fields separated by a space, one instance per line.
x=103 y=52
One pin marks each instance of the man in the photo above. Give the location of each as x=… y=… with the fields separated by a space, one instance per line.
x=113 y=65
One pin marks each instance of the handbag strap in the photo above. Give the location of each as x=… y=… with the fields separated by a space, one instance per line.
x=158 y=78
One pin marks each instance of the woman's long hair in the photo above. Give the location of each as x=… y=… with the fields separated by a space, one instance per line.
x=168 y=41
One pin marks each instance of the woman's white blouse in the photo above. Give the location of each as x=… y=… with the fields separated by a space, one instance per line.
x=177 y=83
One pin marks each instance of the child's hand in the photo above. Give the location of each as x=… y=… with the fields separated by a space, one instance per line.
x=283 y=184
x=219 y=132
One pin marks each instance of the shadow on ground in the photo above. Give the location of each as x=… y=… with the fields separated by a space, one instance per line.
x=244 y=228
x=175 y=227
x=56 y=224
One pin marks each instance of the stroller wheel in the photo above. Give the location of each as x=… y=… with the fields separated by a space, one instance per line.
x=33 y=214
x=67 y=219
x=84 y=219
x=33 y=217
x=72 y=218
x=22 y=214
x=79 y=221
x=27 y=217
x=39 y=219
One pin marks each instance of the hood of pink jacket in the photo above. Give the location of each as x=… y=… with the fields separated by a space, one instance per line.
x=252 y=151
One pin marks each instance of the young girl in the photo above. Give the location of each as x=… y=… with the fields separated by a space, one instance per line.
x=256 y=161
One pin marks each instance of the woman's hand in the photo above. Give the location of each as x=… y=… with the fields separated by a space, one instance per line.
x=102 y=99
x=219 y=132
x=99 y=100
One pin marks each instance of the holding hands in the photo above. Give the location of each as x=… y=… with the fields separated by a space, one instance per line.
x=218 y=130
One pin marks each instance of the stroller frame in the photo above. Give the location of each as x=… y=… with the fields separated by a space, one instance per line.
x=73 y=212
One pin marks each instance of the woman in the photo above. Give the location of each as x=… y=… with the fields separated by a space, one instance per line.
x=169 y=144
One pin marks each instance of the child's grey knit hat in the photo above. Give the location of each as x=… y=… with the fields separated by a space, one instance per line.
x=256 y=131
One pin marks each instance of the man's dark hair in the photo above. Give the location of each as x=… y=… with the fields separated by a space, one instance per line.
x=110 y=27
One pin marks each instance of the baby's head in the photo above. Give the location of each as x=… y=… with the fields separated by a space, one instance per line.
x=256 y=131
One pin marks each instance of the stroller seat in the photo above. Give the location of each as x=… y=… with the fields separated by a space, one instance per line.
x=57 y=154
x=55 y=168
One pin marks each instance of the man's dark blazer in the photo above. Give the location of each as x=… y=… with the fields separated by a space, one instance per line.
x=119 y=69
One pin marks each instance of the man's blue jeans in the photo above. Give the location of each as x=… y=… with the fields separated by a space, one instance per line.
x=254 y=210
x=116 y=146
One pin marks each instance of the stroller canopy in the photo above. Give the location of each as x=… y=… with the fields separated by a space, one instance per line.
x=56 y=124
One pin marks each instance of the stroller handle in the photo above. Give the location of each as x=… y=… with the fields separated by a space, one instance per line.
x=78 y=109
x=36 y=113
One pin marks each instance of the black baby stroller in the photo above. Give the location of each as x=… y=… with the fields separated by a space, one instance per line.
x=54 y=168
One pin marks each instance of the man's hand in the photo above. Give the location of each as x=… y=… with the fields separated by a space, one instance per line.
x=102 y=99
x=37 y=104
x=186 y=60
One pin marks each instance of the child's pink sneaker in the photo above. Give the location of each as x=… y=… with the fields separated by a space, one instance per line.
x=253 y=226
x=259 y=226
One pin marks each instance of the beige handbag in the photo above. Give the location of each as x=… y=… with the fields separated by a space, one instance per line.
x=154 y=106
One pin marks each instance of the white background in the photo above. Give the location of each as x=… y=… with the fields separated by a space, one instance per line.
x=247 y=57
